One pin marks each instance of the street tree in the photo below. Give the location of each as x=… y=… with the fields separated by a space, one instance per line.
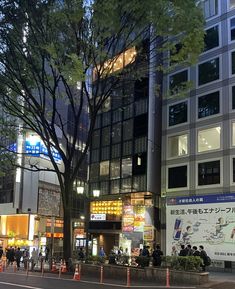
x=53 y=51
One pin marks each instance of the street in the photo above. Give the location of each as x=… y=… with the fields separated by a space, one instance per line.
x=18 y=280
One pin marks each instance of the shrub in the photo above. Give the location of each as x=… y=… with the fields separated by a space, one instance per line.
x=142 y=261
x=188 y=263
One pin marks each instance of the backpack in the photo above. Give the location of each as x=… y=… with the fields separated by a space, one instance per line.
x=207 y=261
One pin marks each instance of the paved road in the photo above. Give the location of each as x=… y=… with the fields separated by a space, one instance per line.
x=20 y=281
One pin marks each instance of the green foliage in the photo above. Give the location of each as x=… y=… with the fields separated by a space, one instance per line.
x=142 y=261
x=188 y=263
x=96 y=260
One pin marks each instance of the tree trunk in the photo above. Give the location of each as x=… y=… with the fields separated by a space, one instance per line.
x=67 y=242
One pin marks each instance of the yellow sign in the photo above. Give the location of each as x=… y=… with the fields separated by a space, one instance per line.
x=148 y=233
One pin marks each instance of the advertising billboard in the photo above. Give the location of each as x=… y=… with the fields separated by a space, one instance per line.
x=207 y=220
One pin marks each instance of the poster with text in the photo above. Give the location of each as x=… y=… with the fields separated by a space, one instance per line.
x=207 y=220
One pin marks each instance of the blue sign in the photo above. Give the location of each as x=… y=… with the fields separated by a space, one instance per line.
x=206 y=199
x=32 y=149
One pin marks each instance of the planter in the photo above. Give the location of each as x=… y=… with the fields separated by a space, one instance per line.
x=151 y=274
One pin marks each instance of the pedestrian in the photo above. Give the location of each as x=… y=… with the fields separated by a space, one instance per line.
x=189 y=250
x=81 y=254
x=126 y=257
x=183 y=252
x=157 y=256
x=174 y=251
x=47 y=251
x=203 y=256
x=25 y=258
x=18 y=255
x=1 y=252
x=34 y=258
x=196 y=253
x=11 y=255
x=101 y=252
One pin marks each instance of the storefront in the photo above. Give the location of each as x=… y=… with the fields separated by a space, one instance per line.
x=126 y=223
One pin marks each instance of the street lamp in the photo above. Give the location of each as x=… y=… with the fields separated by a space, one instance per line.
x=96 y=193
x=80 y=190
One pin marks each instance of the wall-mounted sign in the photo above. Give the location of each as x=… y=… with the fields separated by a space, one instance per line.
x=98 y=217
x=148 y=233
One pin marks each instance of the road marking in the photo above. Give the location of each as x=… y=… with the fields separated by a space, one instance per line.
x=98 y=283
x=18 y=285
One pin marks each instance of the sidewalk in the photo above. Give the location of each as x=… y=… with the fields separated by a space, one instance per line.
x=220 y=280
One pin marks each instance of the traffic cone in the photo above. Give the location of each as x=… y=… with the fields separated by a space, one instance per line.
x=53 y=267
x=1 y=267
x=76 y=275
x=64 y=269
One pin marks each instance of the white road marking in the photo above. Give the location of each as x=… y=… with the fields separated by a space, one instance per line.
x=18 y=285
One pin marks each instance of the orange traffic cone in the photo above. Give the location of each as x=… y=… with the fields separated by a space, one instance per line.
x=64 y=269
x=1 y=267
x=76 y=275
x=53 y=267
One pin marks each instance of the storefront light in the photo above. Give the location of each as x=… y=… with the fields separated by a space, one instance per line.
x=96 y=193
x=80 y=190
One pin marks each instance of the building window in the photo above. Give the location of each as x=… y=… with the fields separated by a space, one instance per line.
x=126 y=185
x=209 y=139
x=115 y=186
x=104 y=168
x=211 y=38
x=105 y=136
x=232 y=29
x=209 y=173
x=140 y=145
x=141 y=107
x=115 y=169
x=233 y=170
x=178 y=113
x=128 y=129
x=104 y=188
x=177 y=82
x=178 y=145
x=141 y=125
x=95 y=156
x=233 y=62
x=233 y=133
x=96 y=139
x=105 y=153
x=208 y=71
x=233 y=97
x=116 y=133
x=94 y=171
x=106 y=118
x=128 y=111
x=116 y=151
x=139 y=183
x=140 y=164
x=117 y=115
x=209 y=104
x=177 y=177
x=231 y=4
x=210 y=8
x=127 y=148
x=126 y=167
x=141 y=88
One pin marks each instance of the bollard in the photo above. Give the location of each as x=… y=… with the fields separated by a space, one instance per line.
x=80 y=270
x=167 y=278
x=27 y=268
x=14 y=266
x=42 y=265
x=60 y=267
x=101 y=274
x=128 y=277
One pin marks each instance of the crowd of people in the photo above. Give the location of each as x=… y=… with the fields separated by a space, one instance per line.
x=22 y=255
x=192 y=251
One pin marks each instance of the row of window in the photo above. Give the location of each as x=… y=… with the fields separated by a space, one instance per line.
x=117 y=168
x=130 y=184
x=207 y=105
x=208 y=174
x=211 y=7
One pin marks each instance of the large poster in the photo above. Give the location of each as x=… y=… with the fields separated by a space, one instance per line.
x=203 y=220
x=133 y=218
x=49 y=202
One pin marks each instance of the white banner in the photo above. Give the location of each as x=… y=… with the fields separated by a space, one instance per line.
x=203 y=220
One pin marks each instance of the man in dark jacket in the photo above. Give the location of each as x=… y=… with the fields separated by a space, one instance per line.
x=18 y=255
x=183 y=252
x=203 y=256
x=157 y=256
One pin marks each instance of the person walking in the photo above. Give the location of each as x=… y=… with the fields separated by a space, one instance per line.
x=101 y=252
x=189 y=250
x=34 y=258
x=174 y=251
x=196 y=253
x=18 y=255
x=157 y=256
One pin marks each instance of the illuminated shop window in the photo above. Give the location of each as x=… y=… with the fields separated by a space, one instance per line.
x=209 y=139
x=178 y=145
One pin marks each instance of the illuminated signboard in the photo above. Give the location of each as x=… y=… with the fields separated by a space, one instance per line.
x=98 y=217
